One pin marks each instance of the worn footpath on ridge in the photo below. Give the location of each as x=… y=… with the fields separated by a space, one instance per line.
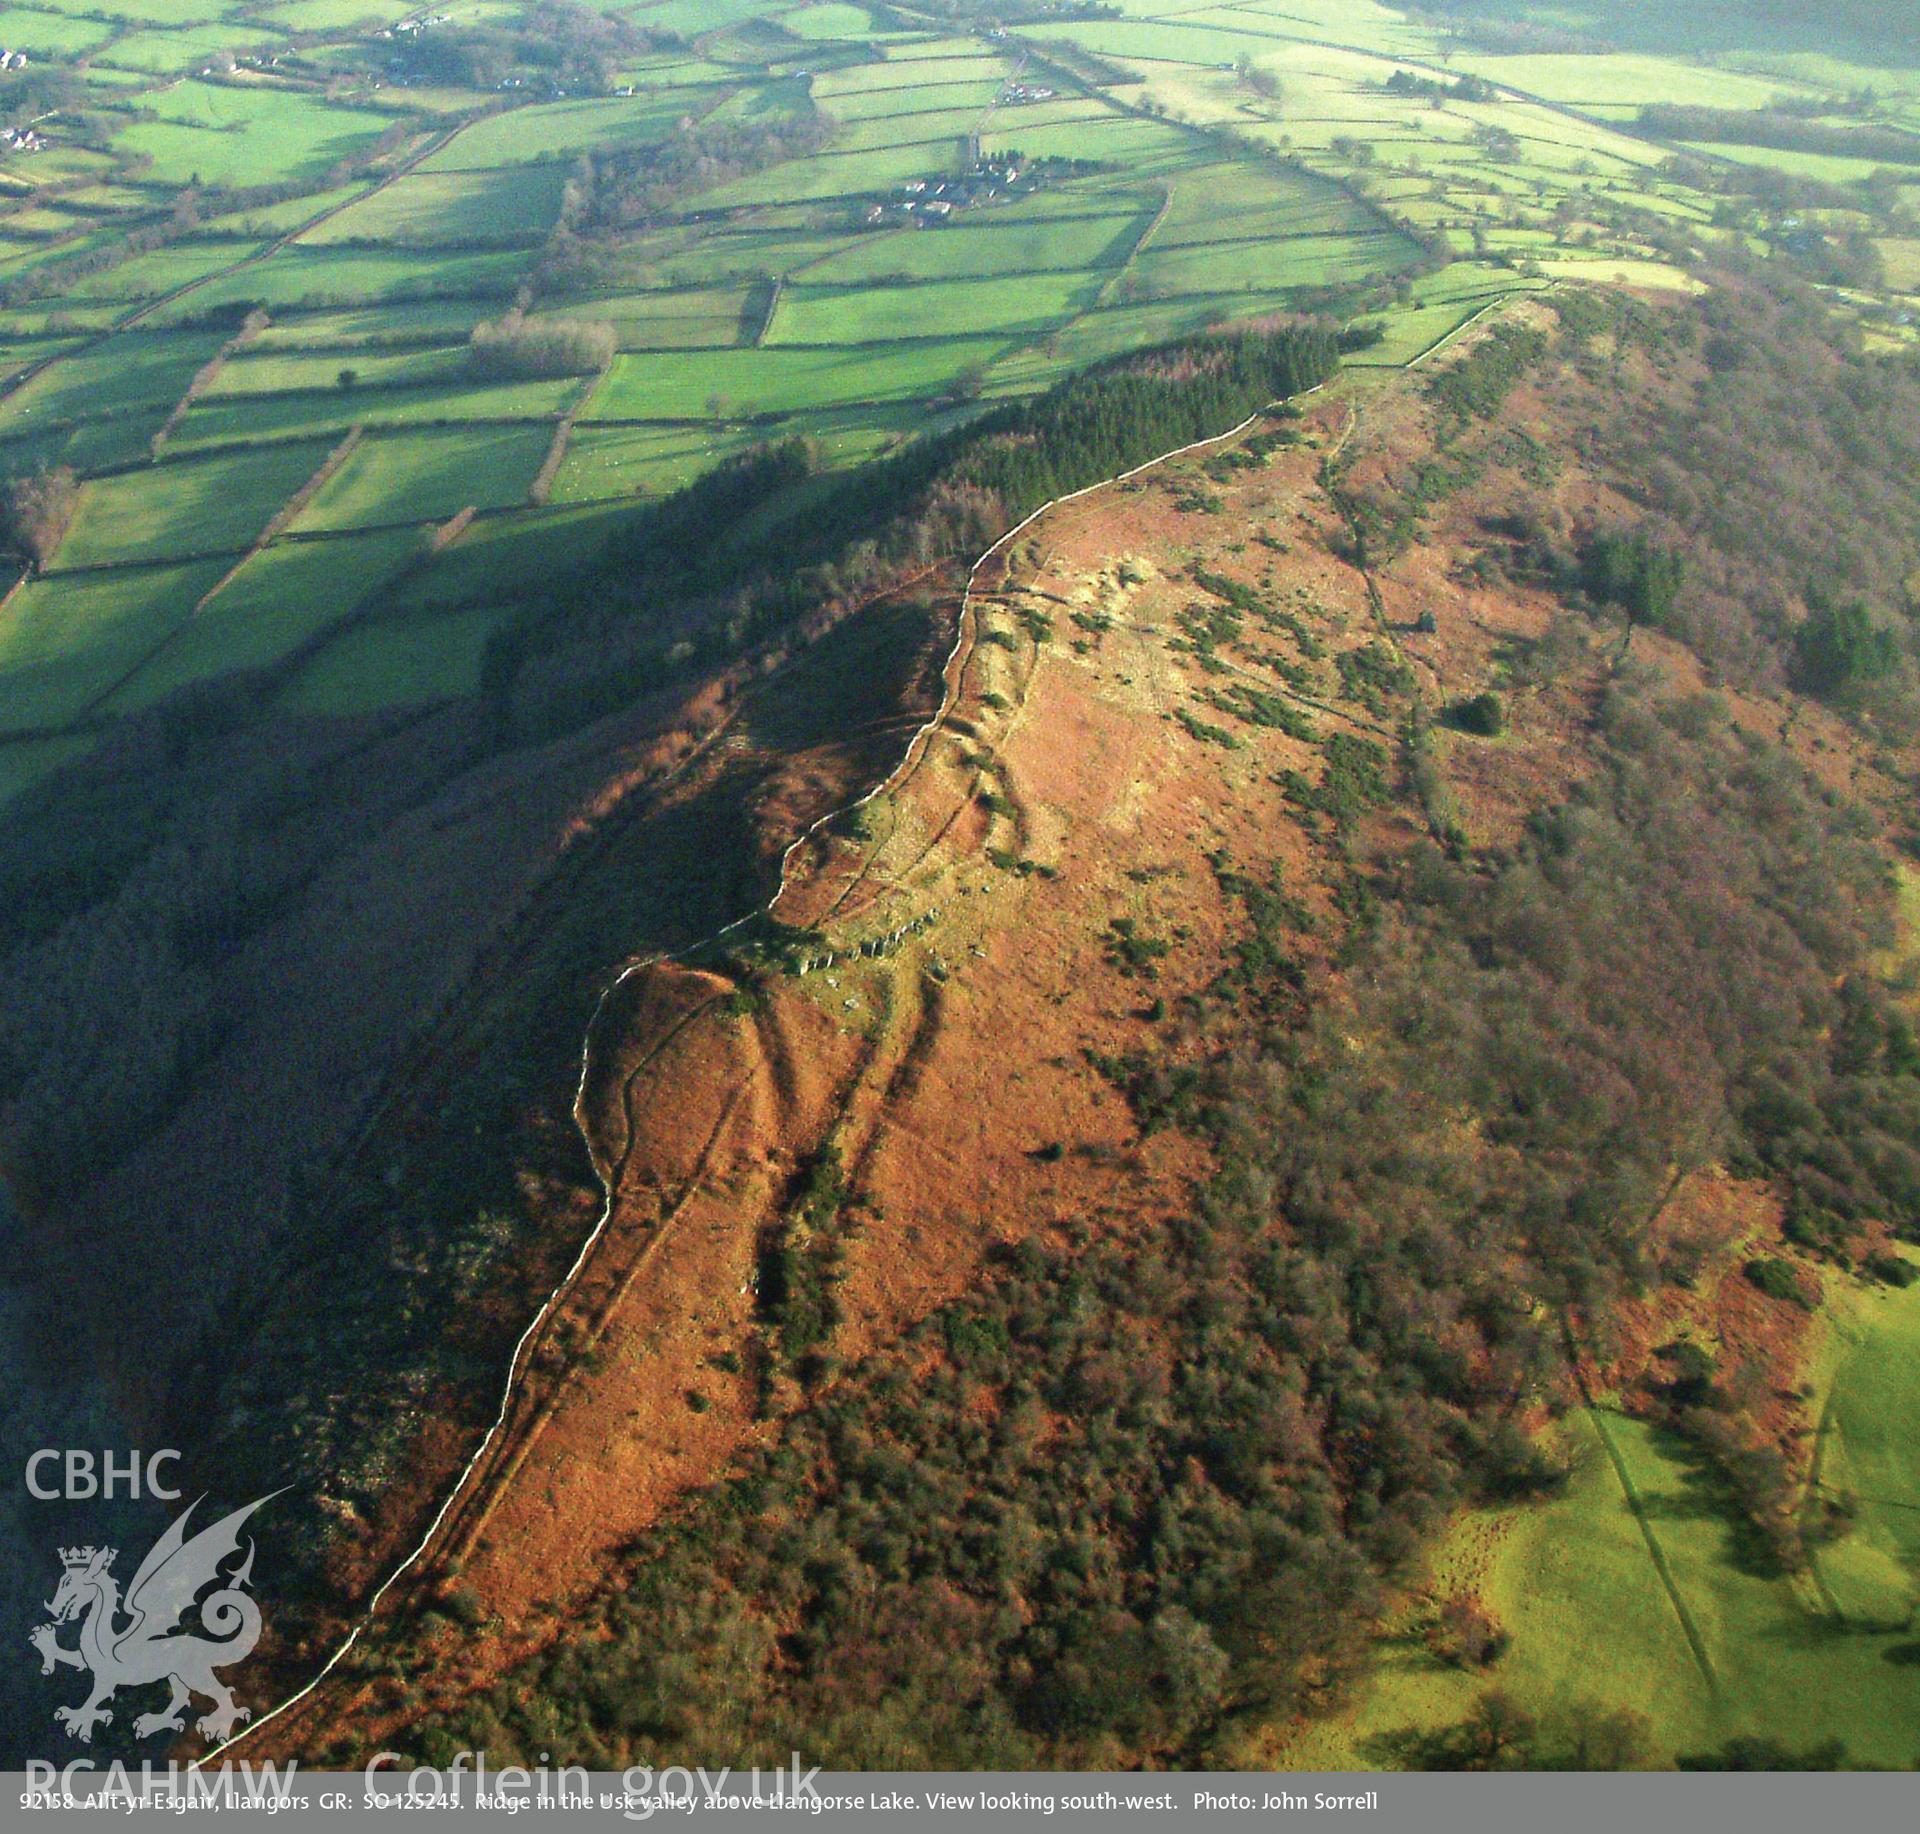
x=1038 y=884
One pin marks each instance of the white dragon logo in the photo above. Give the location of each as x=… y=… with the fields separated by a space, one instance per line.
x=154 y=1645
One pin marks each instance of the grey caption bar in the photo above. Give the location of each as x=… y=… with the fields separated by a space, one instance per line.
x=395 y=1795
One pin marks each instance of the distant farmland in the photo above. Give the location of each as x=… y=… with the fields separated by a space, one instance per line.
x=250 y=246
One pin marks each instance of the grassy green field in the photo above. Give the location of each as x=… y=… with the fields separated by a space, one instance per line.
x=563 y=129
x=1631 y=1589
x=430 y=655
x=285 y=597
x=68 y=641
x=300 y=414
x=200 y=506
x=54 y=34
x=1901 y=257
x=946 y=310
x=428 y=207
x=302 y=277
x=215 y=135
x=606 y=463
x=678 y=319
x=138 y=369
x=1016 y=243
x=370 y=327
x=411 y=477
x=273 y=370
x=738 y=384
x=1868 y=1453
x=167 y=53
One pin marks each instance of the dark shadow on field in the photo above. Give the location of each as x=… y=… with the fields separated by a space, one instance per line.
x=1117 y=251
x=1706 y=1495
x=1889 y=1502
x=1410 y=1748
x=1499 y=1733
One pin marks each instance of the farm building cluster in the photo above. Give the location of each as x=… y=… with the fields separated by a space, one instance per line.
x=934 y=200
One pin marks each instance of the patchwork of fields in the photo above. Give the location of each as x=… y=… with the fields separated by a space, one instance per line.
x=201 y=388
x=233 y=243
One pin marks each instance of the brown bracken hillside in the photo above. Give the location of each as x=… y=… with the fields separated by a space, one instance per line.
x=1361 y=899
